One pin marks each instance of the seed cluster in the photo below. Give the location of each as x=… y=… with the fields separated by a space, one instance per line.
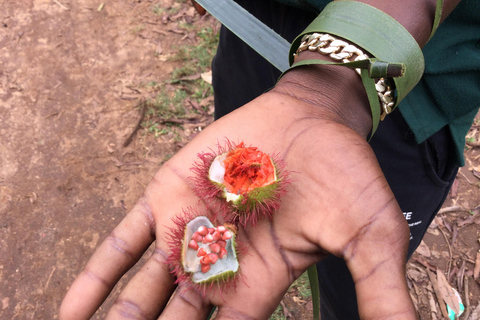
x=216 y=239
x=247 y=168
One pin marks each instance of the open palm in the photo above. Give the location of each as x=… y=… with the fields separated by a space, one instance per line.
x=337 y=203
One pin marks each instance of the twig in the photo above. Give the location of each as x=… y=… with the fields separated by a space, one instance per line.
x=452 y=209
x=473 y=144
x=50 y=277
x=139 y=123
x=141 y=184
x=449 y=251
x=463 y=174
x=424 y=263
x=467 y=298
x=61 y=5
x=286 y=313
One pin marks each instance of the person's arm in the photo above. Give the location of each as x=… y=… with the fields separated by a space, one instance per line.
x=309 y=82
x=338 y=203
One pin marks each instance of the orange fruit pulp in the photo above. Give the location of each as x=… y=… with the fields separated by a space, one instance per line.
x=247 y=168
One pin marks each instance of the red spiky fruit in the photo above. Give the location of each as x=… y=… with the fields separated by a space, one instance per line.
x=203 y=266
x=248 y=181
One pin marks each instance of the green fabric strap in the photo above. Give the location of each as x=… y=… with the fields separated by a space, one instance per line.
x=380 y=35
x=438 y=17
x=374 y=31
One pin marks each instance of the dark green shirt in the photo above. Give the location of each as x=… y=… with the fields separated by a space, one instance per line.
x=449 y=92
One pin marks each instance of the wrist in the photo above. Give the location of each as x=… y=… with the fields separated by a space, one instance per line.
x=333 y=91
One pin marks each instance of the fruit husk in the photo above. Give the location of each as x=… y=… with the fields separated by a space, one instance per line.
x=248 y=207
x=215 y=279
x=216 y=273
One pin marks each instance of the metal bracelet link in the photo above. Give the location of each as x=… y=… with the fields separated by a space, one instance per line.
x=340 y=50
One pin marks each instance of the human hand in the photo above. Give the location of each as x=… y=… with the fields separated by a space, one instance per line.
x=337 y=203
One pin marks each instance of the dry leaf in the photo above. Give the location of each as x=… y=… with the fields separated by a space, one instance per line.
x=158 y=48
x=165 y=57
x=206 y=102
x=476 y=173
x=416 y=275
x=469 y=220
x=438 y=293
x=424 y=250
x=190 y=77
x=475 y=315
x=476 y=270
x=433 y=305
x=434 y=232
x=454 y=189
x=460 y=277
x=5 y=303
x=447 y=292
x=207 y=77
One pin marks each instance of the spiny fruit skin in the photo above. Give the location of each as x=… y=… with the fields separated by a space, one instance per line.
x=210 y=266
x=242 y=183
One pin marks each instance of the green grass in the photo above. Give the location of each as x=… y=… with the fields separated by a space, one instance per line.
x=169 y=102
x=196 y=58
x=278 y=314
x=302 y=287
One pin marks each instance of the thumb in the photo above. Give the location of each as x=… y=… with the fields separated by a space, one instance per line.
x=378 y=267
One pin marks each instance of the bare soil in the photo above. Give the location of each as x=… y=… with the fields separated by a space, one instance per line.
x=71 y=76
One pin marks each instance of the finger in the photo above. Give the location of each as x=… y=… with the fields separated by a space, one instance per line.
x=147 y=293
x=266 y=272
x=118 y=253
x=149 y=290
x=377 y=264
x=186 y=304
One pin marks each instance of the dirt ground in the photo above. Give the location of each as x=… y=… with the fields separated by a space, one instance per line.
x=71 y=76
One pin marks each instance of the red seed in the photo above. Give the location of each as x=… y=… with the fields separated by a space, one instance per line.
x=205 y=268
x=214 y=257
x=211 y=230
x=221 y=229
x=202 y=230
x=205 y=259
x=208 y=238
x=216 y=236
x=222 y=243
x=222 y=253
x=201 y=252
x=215 y=247
x=197 y=237
x=193 y=244
x=227 y=235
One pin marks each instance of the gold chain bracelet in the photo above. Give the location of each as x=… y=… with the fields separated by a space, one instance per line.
x=340 y=50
